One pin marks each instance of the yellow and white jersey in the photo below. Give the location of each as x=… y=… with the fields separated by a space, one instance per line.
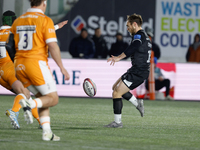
x=4 y=34
x=32 y=32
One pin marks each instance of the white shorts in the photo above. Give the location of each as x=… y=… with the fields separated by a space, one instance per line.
x=36 y=76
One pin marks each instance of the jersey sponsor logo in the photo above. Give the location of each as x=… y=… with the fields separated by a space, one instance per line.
x=147 y=39
x=77 y=24
x=137 y=36
x=2 y=44
x=51 y=30
x=26 y=28
x=149 y=45
x=29 y=16
x=3 y=33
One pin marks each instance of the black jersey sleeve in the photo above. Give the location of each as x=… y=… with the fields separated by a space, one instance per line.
x=10 y=46
x=134 y=45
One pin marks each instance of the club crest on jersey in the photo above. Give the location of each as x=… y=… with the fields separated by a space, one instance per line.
x=137 y=36
x=77 y=24
x=20 y=67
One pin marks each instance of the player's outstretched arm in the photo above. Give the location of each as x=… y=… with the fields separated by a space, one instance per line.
x=114 y=59
x=60 y=25
x=55 y=54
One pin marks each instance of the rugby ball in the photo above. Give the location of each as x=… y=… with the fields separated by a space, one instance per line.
x=89 y=87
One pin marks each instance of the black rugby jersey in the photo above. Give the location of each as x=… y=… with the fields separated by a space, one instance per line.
x=140 y=51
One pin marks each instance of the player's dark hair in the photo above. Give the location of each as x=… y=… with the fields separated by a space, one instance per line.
x=8 y=18
x=36 y=2
x=135 y=18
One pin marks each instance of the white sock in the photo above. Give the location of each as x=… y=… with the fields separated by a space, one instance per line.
x=31 y=102
x=30 y=99
x=133 y=100
x=22 y=95
x=45 y=122
x=35 y=103
x=118 y=118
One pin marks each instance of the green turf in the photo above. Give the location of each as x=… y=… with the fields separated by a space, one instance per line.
x=167 y=125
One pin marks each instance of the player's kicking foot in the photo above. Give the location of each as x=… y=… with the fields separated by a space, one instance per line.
x=140 y=107
x=114 y=125
x=27 y=111
x=13 y=118
x=49 y=136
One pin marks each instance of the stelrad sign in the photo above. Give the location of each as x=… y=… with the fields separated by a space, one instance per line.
x=108 y=15
x=177 y=21
x=109 y=28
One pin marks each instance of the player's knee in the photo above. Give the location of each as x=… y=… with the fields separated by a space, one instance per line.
x=115 y=93
x=54 y=100
x=18 y=87
x=113 y=87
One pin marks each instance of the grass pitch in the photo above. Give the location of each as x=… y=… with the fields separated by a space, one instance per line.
x=167 y=125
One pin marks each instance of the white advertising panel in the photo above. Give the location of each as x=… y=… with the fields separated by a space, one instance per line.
x=99 y=71
x=177 y=21
x=187 y=86
x=185 y=81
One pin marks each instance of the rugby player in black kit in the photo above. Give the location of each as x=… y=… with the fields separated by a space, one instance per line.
x=140 y=53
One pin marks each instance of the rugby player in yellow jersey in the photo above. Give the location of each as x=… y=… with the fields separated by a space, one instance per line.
x=34 y=35
x=7 y=75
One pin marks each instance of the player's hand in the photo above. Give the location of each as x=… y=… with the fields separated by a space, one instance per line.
x=61 y=24
x=112 y=60
x=65 y=73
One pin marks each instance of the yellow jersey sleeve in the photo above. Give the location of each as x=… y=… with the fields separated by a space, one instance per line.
x=49 y=31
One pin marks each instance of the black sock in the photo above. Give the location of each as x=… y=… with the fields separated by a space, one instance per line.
x=117 y=105
x=127 y=96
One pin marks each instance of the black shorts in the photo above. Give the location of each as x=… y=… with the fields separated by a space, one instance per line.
x=134 y=77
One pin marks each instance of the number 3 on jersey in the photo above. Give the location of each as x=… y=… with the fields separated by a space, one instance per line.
x=25 y=37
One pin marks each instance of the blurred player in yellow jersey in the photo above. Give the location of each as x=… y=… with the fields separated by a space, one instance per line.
x=7 y=75
x=34 y=35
